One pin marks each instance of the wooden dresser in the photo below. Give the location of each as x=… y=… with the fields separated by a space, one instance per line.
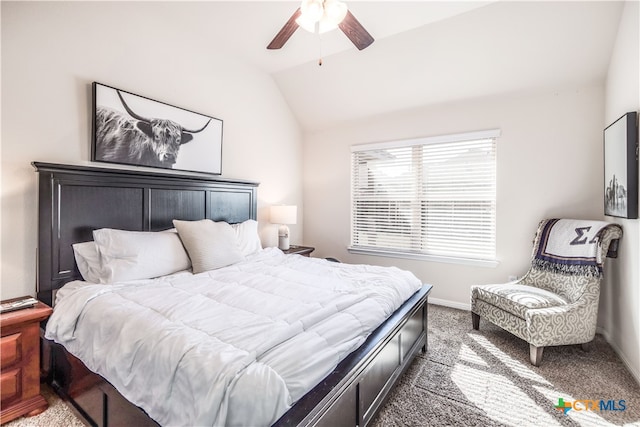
x=20 y=362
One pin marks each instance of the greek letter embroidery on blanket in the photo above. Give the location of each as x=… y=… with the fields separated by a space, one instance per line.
x=572 y=247
x=581 y=231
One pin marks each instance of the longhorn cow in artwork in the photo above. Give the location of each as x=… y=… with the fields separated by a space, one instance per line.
x=135 y=139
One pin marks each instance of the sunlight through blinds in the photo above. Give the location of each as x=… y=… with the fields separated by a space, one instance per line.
x=431 y=196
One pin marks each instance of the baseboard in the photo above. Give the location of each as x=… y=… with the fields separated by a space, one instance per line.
x=452 y=304
x=632 y=369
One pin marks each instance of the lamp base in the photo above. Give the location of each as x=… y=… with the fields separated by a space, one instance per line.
x=283 y=238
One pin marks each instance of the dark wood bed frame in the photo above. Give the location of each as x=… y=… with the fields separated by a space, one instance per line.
x=75 y=200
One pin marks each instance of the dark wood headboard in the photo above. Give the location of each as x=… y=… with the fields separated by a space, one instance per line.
x=75 y=200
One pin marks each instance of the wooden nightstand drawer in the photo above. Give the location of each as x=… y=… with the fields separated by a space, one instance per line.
x=20 y=362
x=10 y=385
x=10 y=350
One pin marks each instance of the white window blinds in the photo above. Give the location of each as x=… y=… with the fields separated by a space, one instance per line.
x=431 y=196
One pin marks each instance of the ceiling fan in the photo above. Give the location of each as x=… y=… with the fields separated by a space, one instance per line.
x=319 y=16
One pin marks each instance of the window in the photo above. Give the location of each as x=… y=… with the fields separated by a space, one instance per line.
x=428 y=197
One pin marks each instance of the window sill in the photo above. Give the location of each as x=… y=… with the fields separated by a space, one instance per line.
x=422 y=257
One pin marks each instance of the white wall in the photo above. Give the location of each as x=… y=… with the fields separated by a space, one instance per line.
x=620 y=301
x=52 y=51
x=549 y=165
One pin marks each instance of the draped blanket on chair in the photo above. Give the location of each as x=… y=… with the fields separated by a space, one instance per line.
x=571 y=247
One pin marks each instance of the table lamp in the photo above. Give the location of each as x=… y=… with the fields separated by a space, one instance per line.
x=283 y=215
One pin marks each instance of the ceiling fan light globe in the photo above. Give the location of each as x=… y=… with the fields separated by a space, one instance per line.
x=335 y=11
x=312 y=10
x=326 y=25
x=306 y=24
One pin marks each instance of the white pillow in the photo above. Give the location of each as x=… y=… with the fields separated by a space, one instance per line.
x=88 y=261
x=133 y=255
x=210 y=245
x=248 y=238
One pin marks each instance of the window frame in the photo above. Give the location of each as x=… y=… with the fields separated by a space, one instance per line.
x=417 y=255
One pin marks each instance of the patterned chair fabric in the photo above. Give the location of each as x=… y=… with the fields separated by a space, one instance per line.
x=556 y=301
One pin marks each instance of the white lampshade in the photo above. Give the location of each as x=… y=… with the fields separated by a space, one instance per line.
x=284 y=214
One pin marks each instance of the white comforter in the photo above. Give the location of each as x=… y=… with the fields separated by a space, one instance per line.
x=234 y=346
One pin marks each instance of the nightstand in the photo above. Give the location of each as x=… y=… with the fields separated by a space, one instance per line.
x=300 y=250
x=20 y=362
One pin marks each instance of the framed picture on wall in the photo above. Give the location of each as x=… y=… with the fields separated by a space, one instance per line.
x=133 y=130
x=621 y=167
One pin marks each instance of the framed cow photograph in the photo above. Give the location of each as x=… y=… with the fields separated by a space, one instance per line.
x=133 y=130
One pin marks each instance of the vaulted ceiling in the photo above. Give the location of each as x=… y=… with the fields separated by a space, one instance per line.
x=496 y=48
x=426 y=52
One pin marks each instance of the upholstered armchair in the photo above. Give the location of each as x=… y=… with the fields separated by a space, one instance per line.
x=556 y=301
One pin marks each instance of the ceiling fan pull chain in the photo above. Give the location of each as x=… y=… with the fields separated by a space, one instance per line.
x=320 y=50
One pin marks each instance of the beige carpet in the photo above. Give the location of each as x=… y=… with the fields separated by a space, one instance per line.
x=57 y=415
x=482 y=378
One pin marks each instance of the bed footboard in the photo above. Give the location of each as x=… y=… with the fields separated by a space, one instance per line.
x=356 y=390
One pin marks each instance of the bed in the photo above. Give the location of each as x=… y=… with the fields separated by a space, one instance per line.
x=69 y=197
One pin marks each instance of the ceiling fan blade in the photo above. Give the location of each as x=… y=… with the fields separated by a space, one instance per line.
x=353 y=29
x=289 y=28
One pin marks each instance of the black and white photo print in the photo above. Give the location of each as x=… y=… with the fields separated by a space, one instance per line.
x=134 y=130
x=621 y=167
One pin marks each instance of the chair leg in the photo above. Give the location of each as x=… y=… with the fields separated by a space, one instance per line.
x=475 y=320
x=535 y=354
x=586 y=346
